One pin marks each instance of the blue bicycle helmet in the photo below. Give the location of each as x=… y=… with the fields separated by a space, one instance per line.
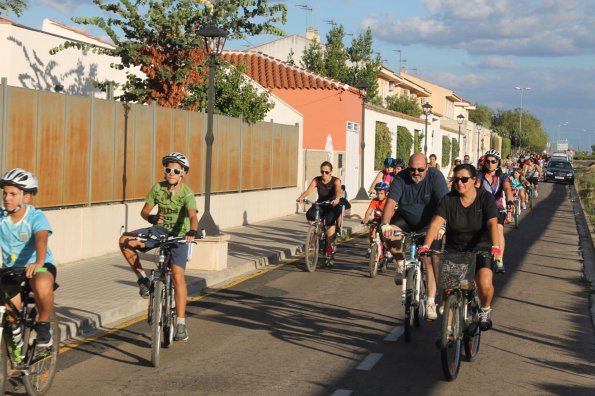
x=381 y=186
x=399 y=163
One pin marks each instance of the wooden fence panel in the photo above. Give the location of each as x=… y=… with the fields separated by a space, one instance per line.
x=103 y=151
x=76 y=158
x=122 y=142
x=195 y=151
x=50 y=153
x=141 y=175
x=21 y=142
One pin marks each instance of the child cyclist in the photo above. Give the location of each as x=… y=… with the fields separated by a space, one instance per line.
x=518 y=184
x=24 y=233
x=376 y=207
x=176 y=216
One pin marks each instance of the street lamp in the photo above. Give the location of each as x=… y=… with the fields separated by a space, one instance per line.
x=427 y=109
x=399 y=51
x=460 y=120
x=558 y=135
x=363 y=87
x=522 y=89
x=478 y=127
x=214 y=40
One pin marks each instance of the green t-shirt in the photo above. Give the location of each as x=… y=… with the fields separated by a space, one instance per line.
x=173 y=208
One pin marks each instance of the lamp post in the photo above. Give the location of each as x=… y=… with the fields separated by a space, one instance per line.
x=478 y=127
x=399 y=51
x=522 y=89
x=558 y=134
x=460 y=120
x=427 y=109
x=362 y=193
x=214 y=40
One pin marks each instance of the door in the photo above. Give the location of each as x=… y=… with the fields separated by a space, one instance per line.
x=352 y=165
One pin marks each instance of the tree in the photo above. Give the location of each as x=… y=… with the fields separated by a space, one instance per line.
x=351 y=65
x=481 y=115
x=593 y=148
x=404 y=104
x=159 y=38
x=14 y=6
x=382 y=145
x=532 y=137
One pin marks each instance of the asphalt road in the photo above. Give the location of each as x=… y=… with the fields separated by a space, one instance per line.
x=336 y=332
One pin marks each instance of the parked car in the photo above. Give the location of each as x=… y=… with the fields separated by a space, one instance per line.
x=559 y=171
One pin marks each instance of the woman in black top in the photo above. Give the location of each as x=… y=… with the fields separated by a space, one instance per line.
x=329 y=189
x=471 y=218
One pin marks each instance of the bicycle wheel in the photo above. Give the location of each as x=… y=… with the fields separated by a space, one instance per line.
x=168 y=315
x=157 y=309
x=312 y=245
x=420 y=312
x=472 y=337
x=374 y=260
x=517 y=213
x=4 y=364
x=409 y=308
x=42 y=368
x=450 y=338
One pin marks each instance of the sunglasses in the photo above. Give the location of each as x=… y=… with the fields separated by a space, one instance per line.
x=463 y=179
x=419 y=170
x=491 y=161
x=325 y=172
x=173 y=170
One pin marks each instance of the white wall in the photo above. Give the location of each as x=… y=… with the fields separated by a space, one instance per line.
x=81 y=233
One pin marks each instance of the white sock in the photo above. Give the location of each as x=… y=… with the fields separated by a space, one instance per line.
x=180 y=320
x=141 y=275
x=431 y=300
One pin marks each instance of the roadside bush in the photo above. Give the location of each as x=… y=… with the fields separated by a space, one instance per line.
x=417 y=138
x=446 y=151
x=382 y=147
x=505 y=147
x=455 y=150
x=584 y=181
x=404 y=143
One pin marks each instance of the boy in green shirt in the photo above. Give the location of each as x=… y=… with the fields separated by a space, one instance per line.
x=176 y=216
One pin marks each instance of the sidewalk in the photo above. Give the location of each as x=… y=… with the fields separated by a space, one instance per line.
x=100 y=293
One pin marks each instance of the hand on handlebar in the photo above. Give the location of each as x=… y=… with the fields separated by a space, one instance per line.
x=496 y=252
x=155 y=219
x=421 y=250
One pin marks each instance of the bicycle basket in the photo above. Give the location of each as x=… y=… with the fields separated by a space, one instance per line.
x=455 y=267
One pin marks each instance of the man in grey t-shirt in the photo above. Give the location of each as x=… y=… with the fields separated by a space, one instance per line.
x=412 y=200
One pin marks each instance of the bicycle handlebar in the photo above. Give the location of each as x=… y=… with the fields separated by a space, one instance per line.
x=324 y=203
x=162 y=239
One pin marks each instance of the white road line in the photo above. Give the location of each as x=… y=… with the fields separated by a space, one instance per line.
x=395 y=334
x=369 y=361
x=342 y=392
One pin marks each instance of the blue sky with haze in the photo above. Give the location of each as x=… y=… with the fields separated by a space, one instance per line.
x=481 y=49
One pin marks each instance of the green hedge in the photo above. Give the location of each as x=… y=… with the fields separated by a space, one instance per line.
x=382 y=147
x=404 y=143
x=505 y=147
x=455 y=150
x=417 y=141
x=446 y=151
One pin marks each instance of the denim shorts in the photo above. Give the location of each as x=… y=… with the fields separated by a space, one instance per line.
x=178 y=253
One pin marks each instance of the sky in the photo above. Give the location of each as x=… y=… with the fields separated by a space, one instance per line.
x=481 y=49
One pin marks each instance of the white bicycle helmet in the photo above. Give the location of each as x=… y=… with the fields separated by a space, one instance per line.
x=493 y=153
x=179 y=158
x=21 y=179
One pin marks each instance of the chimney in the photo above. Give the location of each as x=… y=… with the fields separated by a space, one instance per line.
x=312 y=34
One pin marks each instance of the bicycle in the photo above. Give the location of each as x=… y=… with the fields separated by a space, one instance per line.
x=460 y=320
x=413 y=295
x=161 y=312
x=516 y=210
x=316 y=240
x=531 y=195
x=378 y=258
x=36 y=365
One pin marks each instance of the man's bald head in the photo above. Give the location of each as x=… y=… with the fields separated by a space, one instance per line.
x=418 y=167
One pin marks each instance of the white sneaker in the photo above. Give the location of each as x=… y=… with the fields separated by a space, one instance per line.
x=431 y=311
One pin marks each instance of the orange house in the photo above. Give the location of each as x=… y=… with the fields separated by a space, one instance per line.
x=332 y=112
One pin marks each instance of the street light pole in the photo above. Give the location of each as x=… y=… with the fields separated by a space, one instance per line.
x=214 y=40
x=362 y=193
x=427 y=109
x=558 y=135
x=522 y=89
x=478 y=127
x=399 y=51
x=460 y=120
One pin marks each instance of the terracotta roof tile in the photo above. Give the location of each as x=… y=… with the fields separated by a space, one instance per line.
x=274 y=73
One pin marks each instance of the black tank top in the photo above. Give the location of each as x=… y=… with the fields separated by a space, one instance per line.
x=326 y=192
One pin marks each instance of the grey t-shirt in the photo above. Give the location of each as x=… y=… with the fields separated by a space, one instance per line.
x=417 y=202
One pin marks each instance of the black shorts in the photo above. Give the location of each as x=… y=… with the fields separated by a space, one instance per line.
x=403 y=225
x=10 y=287
x=501 y=217
x=533 y=180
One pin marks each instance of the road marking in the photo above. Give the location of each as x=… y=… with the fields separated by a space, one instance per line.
x=342 y=392
x=369 y=362
x=395 y=334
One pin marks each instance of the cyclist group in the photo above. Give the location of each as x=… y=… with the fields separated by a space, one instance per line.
x=416 y=198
